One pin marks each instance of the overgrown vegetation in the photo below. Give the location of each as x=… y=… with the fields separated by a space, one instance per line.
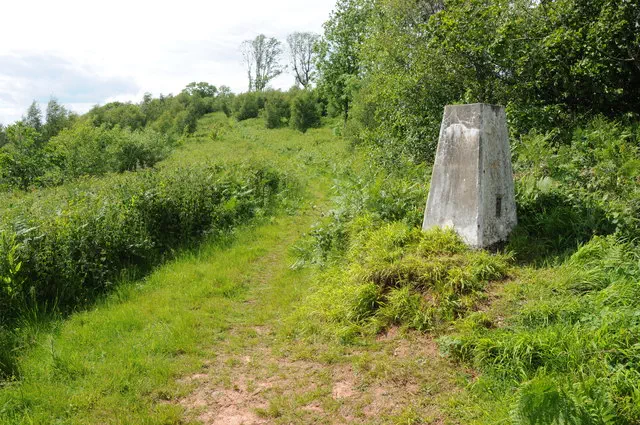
x=568 y=193
x=566 y=350
x=393 y=64
x=554 y=344
x=398 y=275
x=114 y=137
x=163 y=324
x=547 y=327
x=66 y=247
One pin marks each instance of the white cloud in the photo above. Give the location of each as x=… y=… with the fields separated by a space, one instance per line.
x=132 y=47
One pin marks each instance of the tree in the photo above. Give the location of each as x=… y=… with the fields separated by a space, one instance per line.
x=33 y=118
x=224 y=100
x=3 y=136
x=23 y=161
x=302 y=56
x=58 y=118
x=553 y=64
x=277 y=110
x=339 y=52
x=261 y=56
x=202 y=89
x=118 y=113
x=247 y=105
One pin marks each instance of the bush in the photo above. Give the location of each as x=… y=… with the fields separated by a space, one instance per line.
x=82 y=150
x=305 y=111
x=277 y=110
x=87 y=150
x=419 y=58
x=125 y=115
x=139 y=149
x=248 y=105
x=23 y=160
x=567 y=194
x=375 y=193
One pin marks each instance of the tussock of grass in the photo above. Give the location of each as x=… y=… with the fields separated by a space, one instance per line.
x=394 y=274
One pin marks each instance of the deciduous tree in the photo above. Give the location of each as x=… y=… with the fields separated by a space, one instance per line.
x=3 y=136
x=58 y=118
x=302 y=56
x=202 y=89
x=262 y=57
x=33 y=118
x=339 y=62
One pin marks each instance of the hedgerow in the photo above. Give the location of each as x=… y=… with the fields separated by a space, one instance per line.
x=67 y=245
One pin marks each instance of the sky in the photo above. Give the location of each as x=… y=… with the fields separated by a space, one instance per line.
x=85 y=53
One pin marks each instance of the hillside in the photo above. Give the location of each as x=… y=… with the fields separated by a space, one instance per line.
x=213 y=257
x=279 y=323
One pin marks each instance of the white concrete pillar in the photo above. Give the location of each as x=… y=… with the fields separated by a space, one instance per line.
x=472 y=187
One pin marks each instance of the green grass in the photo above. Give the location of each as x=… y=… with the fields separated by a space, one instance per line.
x=327 y=310
x=119 y=361
x=213 y=320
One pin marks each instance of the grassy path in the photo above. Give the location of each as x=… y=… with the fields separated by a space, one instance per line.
x=256 y=375
x=201 y=341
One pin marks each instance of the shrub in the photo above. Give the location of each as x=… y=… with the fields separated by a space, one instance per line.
x=365 y=199
x=88 y=150
x=82 y=150
x=125 y=115
x=277 y=110
x=305 y=111
x=567 y=194
x=139 y=149
x=23 y=160
x=248 y=105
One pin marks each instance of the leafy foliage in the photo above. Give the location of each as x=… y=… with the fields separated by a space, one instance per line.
x=88 y=150
x=58 y=118
x=248 y=105
x=305 y=111
x=338 y=60
x=23 y=161
x=3 y=136
x=568 y=193
x=553 y=64
x=277 y=110
x=125 y=115
x=114 y=137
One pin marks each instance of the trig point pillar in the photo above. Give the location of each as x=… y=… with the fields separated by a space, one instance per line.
x=472 y=183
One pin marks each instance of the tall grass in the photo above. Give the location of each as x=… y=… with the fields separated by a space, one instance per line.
x=569 y=351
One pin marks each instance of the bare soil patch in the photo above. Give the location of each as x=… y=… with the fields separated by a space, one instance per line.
x=372 y=385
